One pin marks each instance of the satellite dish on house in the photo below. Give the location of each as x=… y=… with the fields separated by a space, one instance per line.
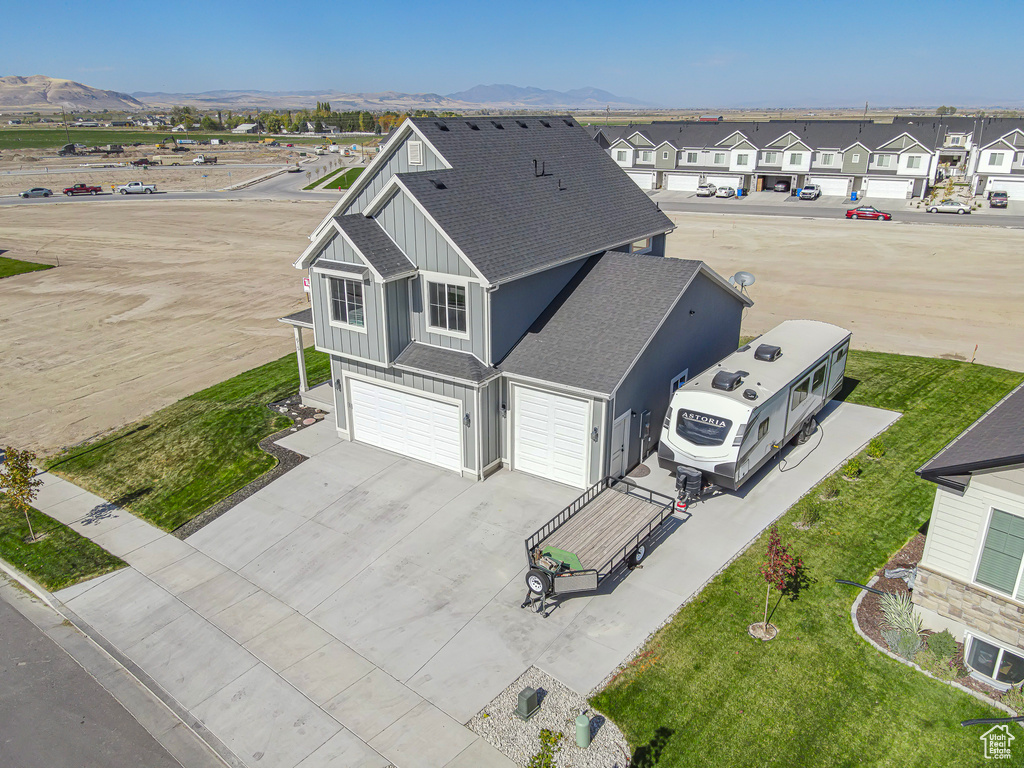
x=743 y=279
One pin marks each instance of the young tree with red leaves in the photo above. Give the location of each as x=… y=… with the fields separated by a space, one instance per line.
x=779 y=567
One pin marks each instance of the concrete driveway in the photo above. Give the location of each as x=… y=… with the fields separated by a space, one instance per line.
x=362 y=607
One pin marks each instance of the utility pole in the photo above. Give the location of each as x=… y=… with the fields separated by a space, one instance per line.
x=607 y=112
x=65 y=114
x=865 y=110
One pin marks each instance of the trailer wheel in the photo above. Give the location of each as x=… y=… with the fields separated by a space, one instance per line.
x=538 y=582
x=637 y=555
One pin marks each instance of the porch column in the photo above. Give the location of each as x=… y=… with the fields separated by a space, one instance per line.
x=303 y=386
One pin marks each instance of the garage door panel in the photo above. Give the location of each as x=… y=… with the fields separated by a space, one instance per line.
x=408 y=424
x=682 y=183
x=830 y=185
x=643 y=179
x=893 y=189
x=551 y=434
x=724 y=181
x=1014 y=188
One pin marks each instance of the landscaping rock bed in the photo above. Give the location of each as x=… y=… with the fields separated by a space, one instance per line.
x=302 y=416
x=559 y=706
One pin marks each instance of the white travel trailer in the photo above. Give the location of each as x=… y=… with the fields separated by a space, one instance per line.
x=723 y=425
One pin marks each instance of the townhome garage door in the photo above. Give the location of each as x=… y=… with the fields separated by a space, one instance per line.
x=682 y=182
x=830 y=185
x=551 y=433
x=411 y=425
x=1012 y=187
x=898 y=189
x=643 y=179
x=725 y=181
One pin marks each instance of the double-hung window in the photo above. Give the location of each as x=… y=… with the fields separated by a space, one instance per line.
x=621 y=155
x=795 y=158
x=646 y=156
x=996 y=158
x=883 y=161
x=447 y=307
x=742 y=159
x=828 y=158
x=346 y=302
x=914 y=162
x=691 y=157
x=771 y=158
x=719 y=158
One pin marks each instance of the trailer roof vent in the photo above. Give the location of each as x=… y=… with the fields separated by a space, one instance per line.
x=744 y=348
x=769 y=353
x=726 y=380
x=750 y=394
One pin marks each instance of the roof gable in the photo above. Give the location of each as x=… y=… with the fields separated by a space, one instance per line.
x=639 y=140
x=733 y=139
x=784 y=140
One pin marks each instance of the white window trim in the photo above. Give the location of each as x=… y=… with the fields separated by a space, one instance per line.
x=330 y=300
x=742 y=158
x=887 y=161
x=798 y=155
x=696 y=158
x=981 y=550
x=642 y=152
x=855 y=157
x=716 y=155
x=440 y=277
x=970 y=635
x=664 y=154
x=828 y=158
x=684 y=376
x=621 y=155
x=992 y=158
x=913 y=159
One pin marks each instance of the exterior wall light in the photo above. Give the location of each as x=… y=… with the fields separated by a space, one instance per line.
x=465 y=420
x=593 y=435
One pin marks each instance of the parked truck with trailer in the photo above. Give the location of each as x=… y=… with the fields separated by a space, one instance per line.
x=170 y=160
x=606 y=528
x=728 y=422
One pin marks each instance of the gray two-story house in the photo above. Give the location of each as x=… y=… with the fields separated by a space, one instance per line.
x=494 y=292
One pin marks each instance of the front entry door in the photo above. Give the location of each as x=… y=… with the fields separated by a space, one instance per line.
x=619 y=446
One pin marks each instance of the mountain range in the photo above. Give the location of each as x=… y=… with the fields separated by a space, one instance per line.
x=39 y=93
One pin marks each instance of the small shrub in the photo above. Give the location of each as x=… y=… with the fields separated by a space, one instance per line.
x=549 y=745
x=829 y=489
x=942 y=644
x=876 y=449
x=942 y=668
x=1014 y=699
x=900 y=614
x=903 y=644
x=852 y=469
x=809 y=516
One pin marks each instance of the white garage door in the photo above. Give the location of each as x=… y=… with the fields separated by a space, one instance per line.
x=643 y=179
x=408 y=424
x=682 y=183
x=831 y=186
x=1014 y=187
x=725 y=181
x=891 y=188
x=551 y=433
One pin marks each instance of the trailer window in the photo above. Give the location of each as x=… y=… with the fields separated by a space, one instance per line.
x=819 y=379
x=762 y=429
x=701 y=428
x=800 y=392
x=840 y=354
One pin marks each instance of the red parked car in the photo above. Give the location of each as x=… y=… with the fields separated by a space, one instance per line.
x=82 y=189
x=868 y=212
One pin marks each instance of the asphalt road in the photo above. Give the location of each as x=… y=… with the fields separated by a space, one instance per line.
x=54 y=714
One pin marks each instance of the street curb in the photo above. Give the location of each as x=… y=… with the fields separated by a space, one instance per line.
x=196 y=727
x=257 y=180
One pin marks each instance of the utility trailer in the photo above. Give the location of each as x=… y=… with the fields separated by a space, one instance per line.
x=582 y=545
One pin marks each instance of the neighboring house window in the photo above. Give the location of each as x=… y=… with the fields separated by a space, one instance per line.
x=996 y=158
x=771 y=157
x=914 y=162
x=346 y=302
x=691 y=157
x=640 y=245
x=795 y=158
x=646 y=156
x=415 y=153
x=993 y=661
x=719 y=158
x=621 y=155
x=664 y=155
x=680 y=380
x=800 y=393
x=828 y=158
x=742 y=159
x=447 y=306
x=955 y=141
x=1001 y=555
x=855 y=157
x=883 y=161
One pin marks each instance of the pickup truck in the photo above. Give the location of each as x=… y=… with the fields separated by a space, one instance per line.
x=82 y=189
x=810 y=192
x=140 y=163
x=204 y=160
x=136 y=188
x=998 y=200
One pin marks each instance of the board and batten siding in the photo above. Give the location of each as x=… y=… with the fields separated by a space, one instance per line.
x=476 y=317
x=958 y=524
x=420 y=240
x=338 y=249
x=397 y=162
x=397 y=323
x=417 y=384
x=491 y=422
x=369 y=344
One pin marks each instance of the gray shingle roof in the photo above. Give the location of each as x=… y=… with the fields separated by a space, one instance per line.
x=510 y=221
x=303 y=318
x=450 y=363
x=593 y=331
x=374 y=243
x=994 y=440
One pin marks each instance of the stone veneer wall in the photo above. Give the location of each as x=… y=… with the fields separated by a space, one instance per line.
x=985 y=613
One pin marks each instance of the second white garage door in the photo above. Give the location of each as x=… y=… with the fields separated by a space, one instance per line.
x=643 y=179
x=1014 y=188
x=831 y=186
x=408 y=424
x=681 y=183
x=551 y=434
x=725 y=181
x=889 y=188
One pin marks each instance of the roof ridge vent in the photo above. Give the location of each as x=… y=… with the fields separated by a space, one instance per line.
x=438 y=184
x=545 y=123
x=521 y=124
x=769 y=353
x=497 y=125
x=441 y=126
x=473 y=126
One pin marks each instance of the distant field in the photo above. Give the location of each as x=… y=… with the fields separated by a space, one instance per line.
x=45 y=138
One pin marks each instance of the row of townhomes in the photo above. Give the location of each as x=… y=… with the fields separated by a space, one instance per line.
x=494 y=293
x=898 y=160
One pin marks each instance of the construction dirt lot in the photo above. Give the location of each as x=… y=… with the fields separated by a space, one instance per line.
x=152 y=302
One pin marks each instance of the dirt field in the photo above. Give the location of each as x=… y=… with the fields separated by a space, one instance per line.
x=931 y=290
x=154 y=302
x=150 y=303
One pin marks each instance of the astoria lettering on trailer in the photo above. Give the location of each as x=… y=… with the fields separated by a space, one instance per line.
x=713 y=421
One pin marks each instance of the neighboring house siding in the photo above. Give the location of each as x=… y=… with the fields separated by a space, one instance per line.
x=399 y=329
x=420 y=240
x=861 y=166
x=397 y=163
x=665 y=163
x=476 y=317
x=516 y=305
x=368 y=345
x=684 y=341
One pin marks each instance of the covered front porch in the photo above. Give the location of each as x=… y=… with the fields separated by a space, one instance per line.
x=321 y=395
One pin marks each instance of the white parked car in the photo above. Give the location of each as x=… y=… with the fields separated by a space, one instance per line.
x=949 y=206
x=706 y=190
x=725 y=192
x=810 y=192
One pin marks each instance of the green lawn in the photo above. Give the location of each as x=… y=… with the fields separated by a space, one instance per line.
x=345 y=180
x=706 y=694
x=11 y=267
x=54 y=137
x=61 y=559
x=171 y=466
x=324 y=179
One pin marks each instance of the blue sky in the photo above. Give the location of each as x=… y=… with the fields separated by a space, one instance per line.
x=685 y=54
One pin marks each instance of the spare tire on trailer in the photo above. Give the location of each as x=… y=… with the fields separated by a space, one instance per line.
x=538 y=582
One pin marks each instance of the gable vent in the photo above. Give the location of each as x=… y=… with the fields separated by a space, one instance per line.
x=415 y=152
x=521 y=124
x=545 y=123
x=473 y=126
x=441 y=126
x=498 y=125
x=769 y=353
